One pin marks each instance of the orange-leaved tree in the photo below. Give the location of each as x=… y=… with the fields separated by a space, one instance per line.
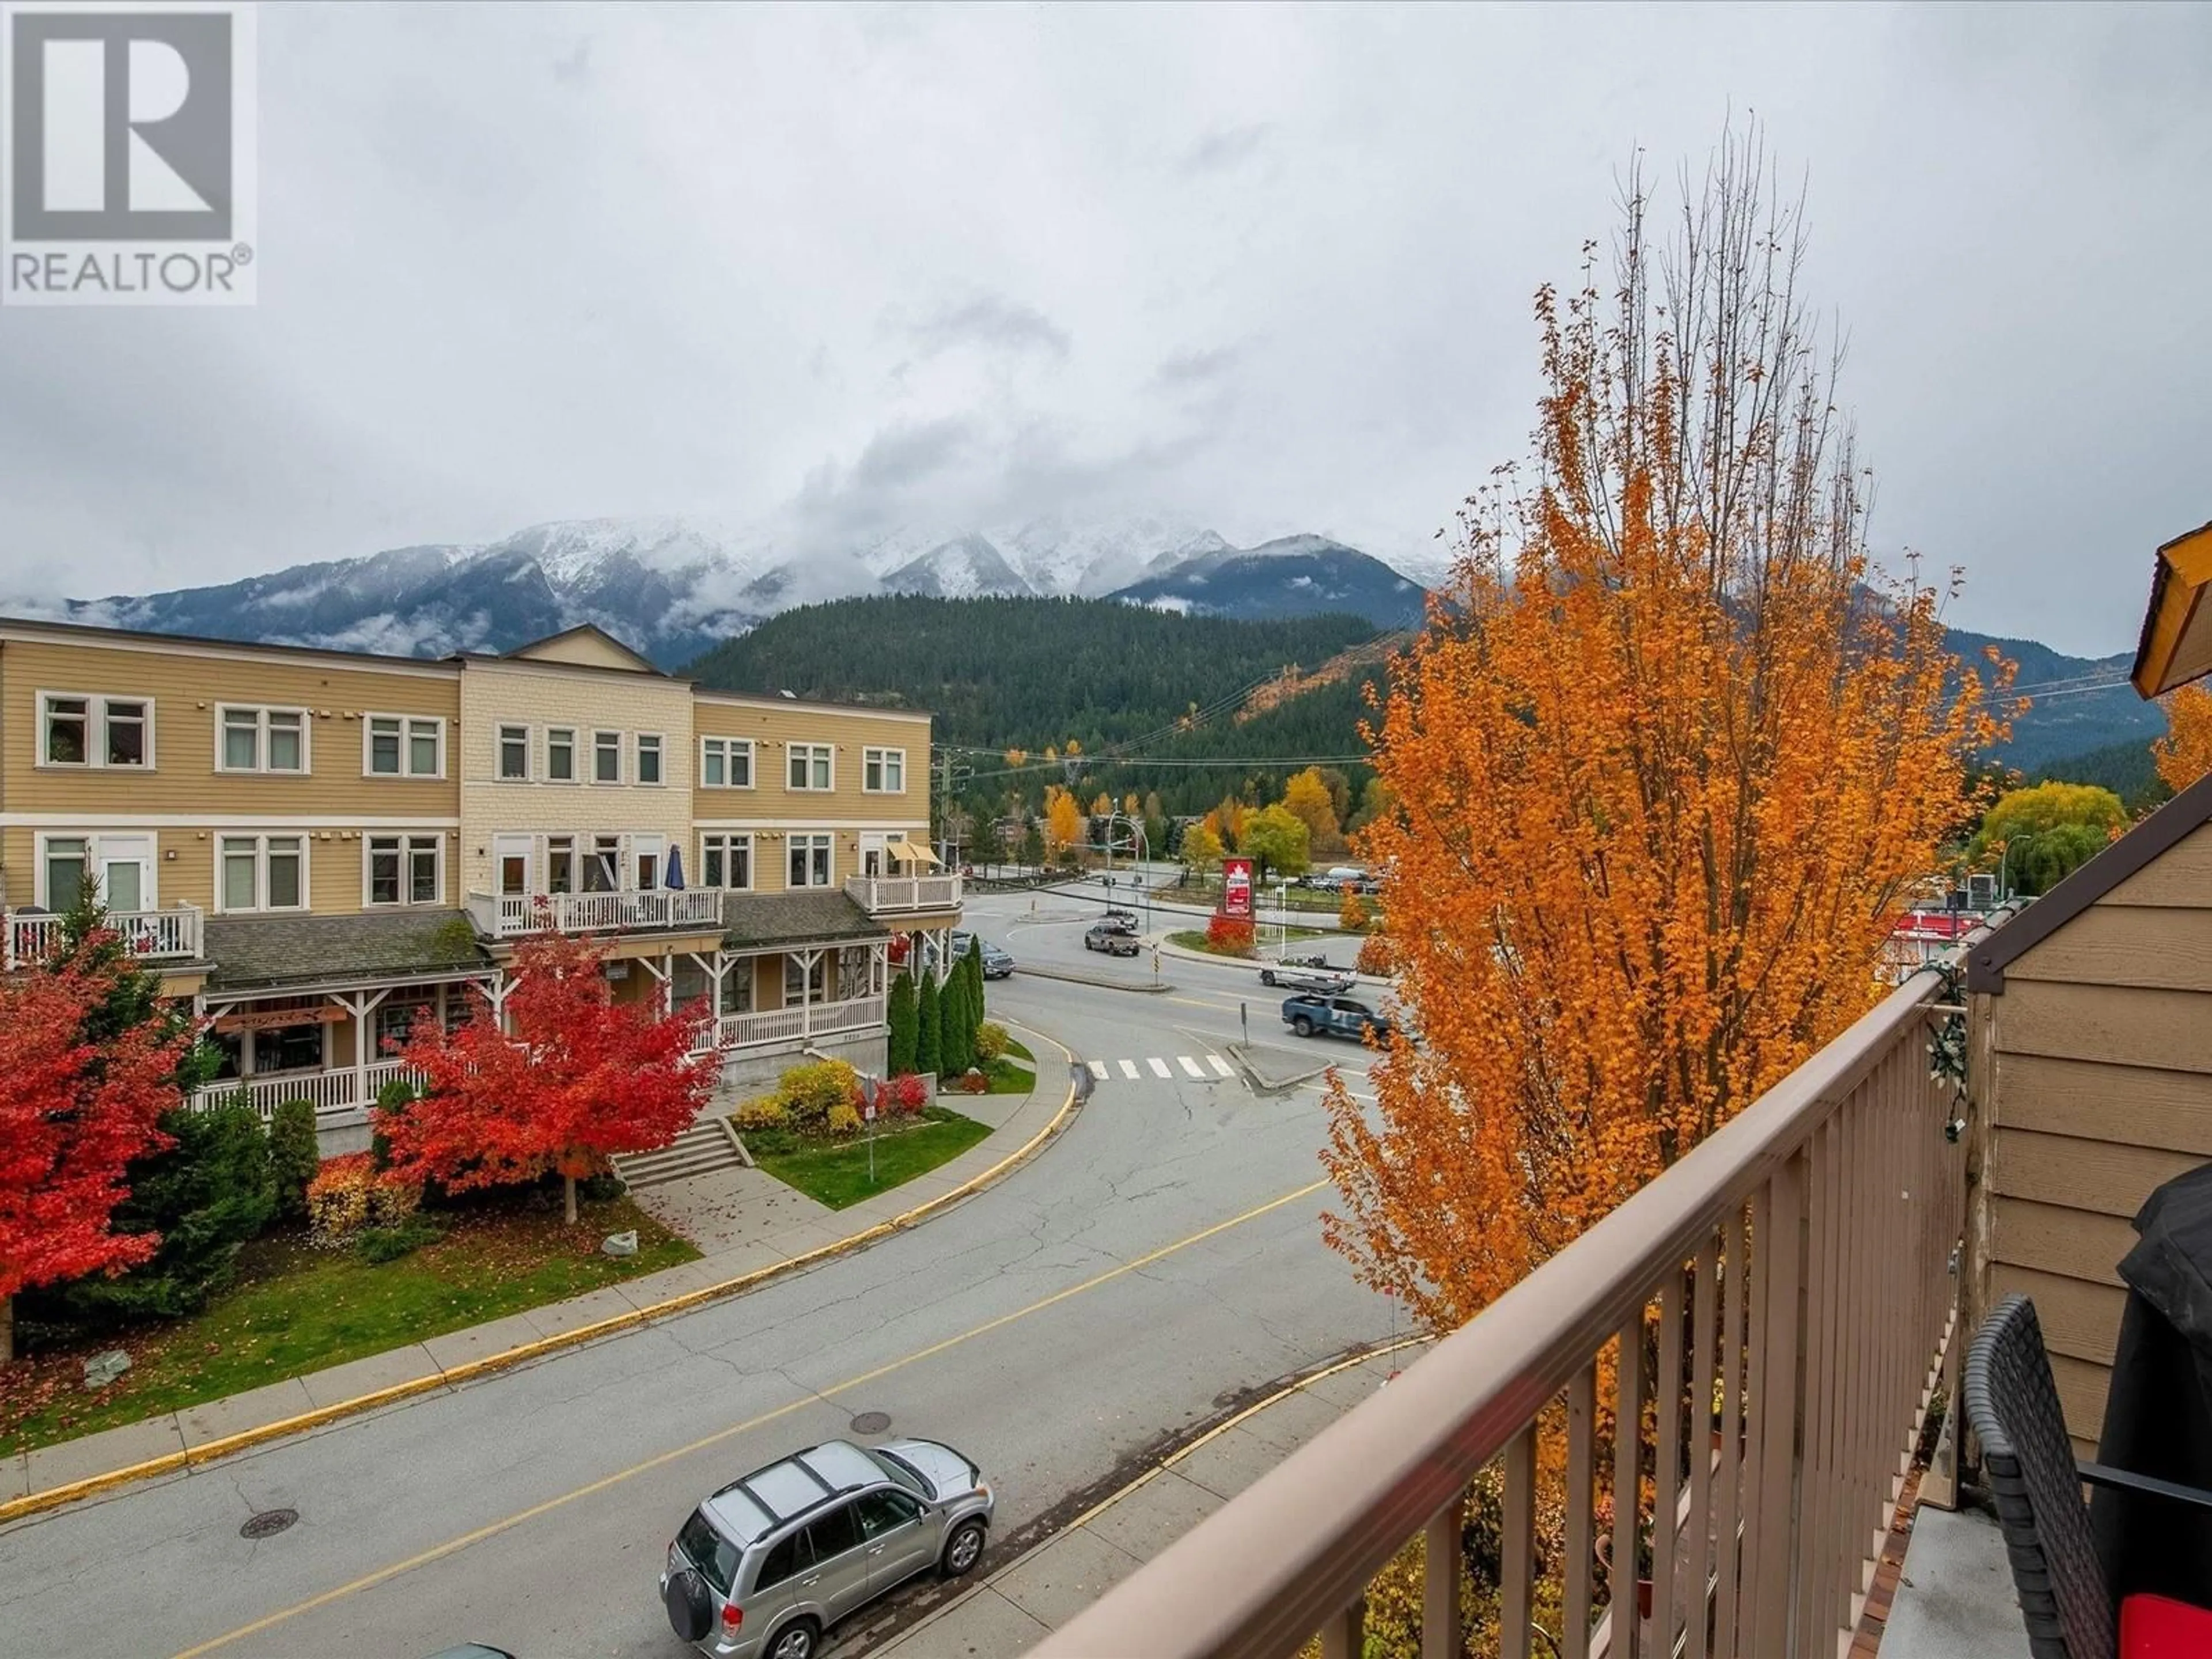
x=2184 y=753
x=1307 y=796
x=574 y=1077
x=1063 y=819
x=1662 y=767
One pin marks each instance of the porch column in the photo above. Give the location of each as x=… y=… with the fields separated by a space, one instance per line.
x=361 y=1005
x=806 y=961
x=659 y=970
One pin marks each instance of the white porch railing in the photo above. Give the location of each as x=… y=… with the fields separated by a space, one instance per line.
x=333 y=1090
x=731 y=1031
x=883 y=895
x=171 y=935
x=1778 y=1303
x=506 y=915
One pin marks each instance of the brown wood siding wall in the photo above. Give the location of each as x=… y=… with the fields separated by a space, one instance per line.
x=2101 y=1090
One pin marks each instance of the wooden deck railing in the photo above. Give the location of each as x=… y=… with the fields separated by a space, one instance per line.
x=1778 y=1302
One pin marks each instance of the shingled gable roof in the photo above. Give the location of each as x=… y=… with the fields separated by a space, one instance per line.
x=2133 y=852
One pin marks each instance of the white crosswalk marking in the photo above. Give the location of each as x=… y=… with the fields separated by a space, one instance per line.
x=1220 y=1065
x=1190 y=1066
x=1159 y=1068
x=1129 y=1069
x=1098 y=1070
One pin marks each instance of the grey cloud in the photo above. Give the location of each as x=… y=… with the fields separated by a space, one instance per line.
x=1190 y=368
x=992 y=322
x=1223 y=147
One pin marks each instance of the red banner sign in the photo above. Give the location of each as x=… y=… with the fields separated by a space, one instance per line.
x=1236 y=888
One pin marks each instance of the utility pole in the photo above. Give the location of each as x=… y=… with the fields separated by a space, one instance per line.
x=951 y=776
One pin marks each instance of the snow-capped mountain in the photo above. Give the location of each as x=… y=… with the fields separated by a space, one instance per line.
x=966 y=568
x=672 y=588
x=1292 y=576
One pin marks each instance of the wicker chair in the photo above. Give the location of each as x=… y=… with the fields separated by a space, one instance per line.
x=2012 y=1404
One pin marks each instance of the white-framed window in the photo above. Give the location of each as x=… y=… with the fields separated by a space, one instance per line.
x=725 y=763
x=559 y=864
x=561 y=754
x=648 y=758
x=602 y=869
x=726 y=861
x=403 y=746
x=809 y=860
x=607 y=757
x=883 y=771
x=809 y=765
x=396 y=1016
x=256 y=739
x=404 y=869
x=804 y=981
x=85 y=729
x=514 y=753
x=260 y=873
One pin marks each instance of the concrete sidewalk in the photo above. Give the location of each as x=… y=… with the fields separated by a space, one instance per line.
x=748 y=1225
x=1008 y=1613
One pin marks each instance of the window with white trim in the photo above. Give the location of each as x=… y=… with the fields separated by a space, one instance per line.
x=808 y=860
x=561 y=754
x=65 y=859
x=559 y=864
x=725 y=861
x=514 y=753
x=261 y=872
x=808 y=765
x=883 y=771
x=806 y=980
x=648 y=758
x=260 y=739
x=725 y=763
x=607 y=757
x=404 y=869
x=405 y=746
x=85 y=730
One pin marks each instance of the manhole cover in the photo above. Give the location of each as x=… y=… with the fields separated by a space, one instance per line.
x=268 y=1524
x=872 y=1422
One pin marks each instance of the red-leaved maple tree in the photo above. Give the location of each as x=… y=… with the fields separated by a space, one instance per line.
x=73 y=1114
x=576 y=1078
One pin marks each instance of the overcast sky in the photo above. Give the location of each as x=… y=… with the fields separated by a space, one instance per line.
x=1269 y=268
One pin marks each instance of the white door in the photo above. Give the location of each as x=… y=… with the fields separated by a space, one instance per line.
x=647 y=854
x=126 y=873
x=875 y=861
x=511 y=858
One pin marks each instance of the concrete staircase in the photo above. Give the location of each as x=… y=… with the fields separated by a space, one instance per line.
x=700 y=1150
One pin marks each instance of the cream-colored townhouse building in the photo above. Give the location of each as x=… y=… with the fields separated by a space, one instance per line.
x=320 y=847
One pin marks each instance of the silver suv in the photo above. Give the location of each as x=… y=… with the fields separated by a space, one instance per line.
x=769 y=1562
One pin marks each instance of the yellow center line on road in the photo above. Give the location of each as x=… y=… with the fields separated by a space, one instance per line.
x=453 y=1545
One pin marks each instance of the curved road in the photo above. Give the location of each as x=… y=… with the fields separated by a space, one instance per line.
x=1162 y=1254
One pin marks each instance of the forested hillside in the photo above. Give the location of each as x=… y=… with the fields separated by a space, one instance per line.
x=1149 y=695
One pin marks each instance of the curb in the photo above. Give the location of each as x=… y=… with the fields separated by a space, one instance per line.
x=1071 y=978
x=1241 y=1053
x=1167 y=947
x=468 y=1371
x=1327 y=1369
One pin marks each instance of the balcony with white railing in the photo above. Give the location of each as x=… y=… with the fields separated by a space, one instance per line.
x=173 y=935
x=885 y=896
x=337 y=1090
x=798 y=1024
x=625 y=911
x=1771 y=1315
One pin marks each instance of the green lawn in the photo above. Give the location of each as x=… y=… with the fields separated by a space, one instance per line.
x=296 y=1309
x=1008 y=1078
x=837 y=1176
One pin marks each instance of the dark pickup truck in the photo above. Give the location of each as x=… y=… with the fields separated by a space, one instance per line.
x=1340 y=1016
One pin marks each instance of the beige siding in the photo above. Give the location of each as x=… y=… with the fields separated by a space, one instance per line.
x=773 y=729
x=544 y=697
x=184 y=861
x=185 y=688
x=2101 y=1091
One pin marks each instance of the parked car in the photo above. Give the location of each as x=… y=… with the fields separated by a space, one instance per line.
x=997 y=963
x=1340 y=1016
x=769 y=1562
x=1112 y=940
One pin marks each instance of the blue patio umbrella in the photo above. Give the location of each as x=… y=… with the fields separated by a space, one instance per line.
x=675 y=869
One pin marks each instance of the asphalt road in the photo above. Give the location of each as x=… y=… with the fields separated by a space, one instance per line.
x=1162 y=1254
